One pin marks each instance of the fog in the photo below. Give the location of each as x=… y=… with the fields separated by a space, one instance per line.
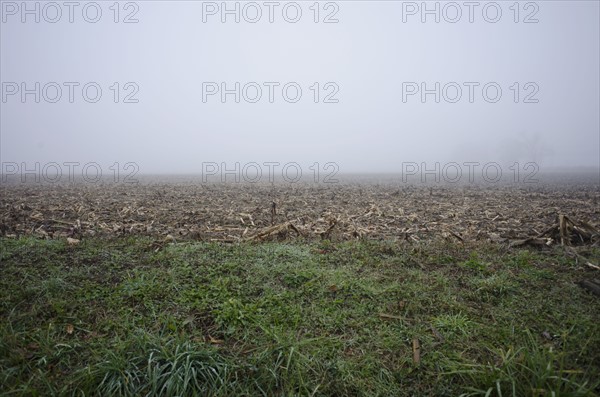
x=517 y=84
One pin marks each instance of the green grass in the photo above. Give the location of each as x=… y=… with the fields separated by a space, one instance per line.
x=117 y=317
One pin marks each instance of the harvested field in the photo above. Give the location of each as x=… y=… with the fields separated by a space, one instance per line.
x=191 y=210
x=354 y=289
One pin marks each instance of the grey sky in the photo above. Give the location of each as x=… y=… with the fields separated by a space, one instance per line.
x=369 y=53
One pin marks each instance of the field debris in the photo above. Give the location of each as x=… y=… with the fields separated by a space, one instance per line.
x=416 y=347
x=566 y=231
x=592 y=266
x=72 y=241
x=592 y=285
x=574 y=232
x=541 y=215
x=281 y=229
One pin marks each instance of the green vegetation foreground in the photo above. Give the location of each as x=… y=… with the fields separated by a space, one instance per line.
x=363 y=318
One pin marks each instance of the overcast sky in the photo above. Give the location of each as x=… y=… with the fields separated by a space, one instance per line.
x=369 y=66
